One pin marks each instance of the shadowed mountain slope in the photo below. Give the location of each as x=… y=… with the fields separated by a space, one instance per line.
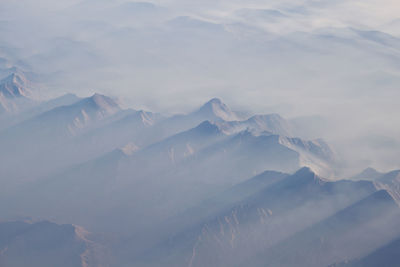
x=47 y=244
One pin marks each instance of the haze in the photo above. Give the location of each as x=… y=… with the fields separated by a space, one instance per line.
x=199 y=133
x=334 y=59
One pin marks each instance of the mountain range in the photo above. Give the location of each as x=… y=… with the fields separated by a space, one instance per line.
x=211 y=187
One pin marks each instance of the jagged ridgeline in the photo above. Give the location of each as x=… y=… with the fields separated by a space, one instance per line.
x=85 y=182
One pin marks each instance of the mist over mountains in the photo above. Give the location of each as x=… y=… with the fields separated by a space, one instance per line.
x=209 y=133
x=331 y=64
x=110 y=186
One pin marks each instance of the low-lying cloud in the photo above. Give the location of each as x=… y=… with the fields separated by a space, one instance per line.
x=334 y=59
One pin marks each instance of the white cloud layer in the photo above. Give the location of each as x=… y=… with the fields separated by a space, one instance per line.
x=337 y=59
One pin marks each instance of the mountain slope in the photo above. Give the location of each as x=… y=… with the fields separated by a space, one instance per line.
x=200 y=162
x=197 y=214
x=38 y=108
x=83 y=114
x=368 y=174
x=66 y=120
x=260 y=221
x=47 y=244
x=134 y=127
x=51 y=136
x=391 y=182
x=259 y=124
x=350 y=233
x=15 y=94
x=244 y=154
x=387 y=255
x=213 y=110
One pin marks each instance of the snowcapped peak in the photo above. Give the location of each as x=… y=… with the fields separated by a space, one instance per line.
x=103 y=102
x=272 y=123
x=14 y=85
x=146 y=117
x=16 y=79
x=88 y=111
x=269 y=119
x=101 y=99
x=216 y=109
x=13 y=77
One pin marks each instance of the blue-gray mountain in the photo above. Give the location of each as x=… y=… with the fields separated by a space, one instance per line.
x=48 y=244
x=176 y=190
